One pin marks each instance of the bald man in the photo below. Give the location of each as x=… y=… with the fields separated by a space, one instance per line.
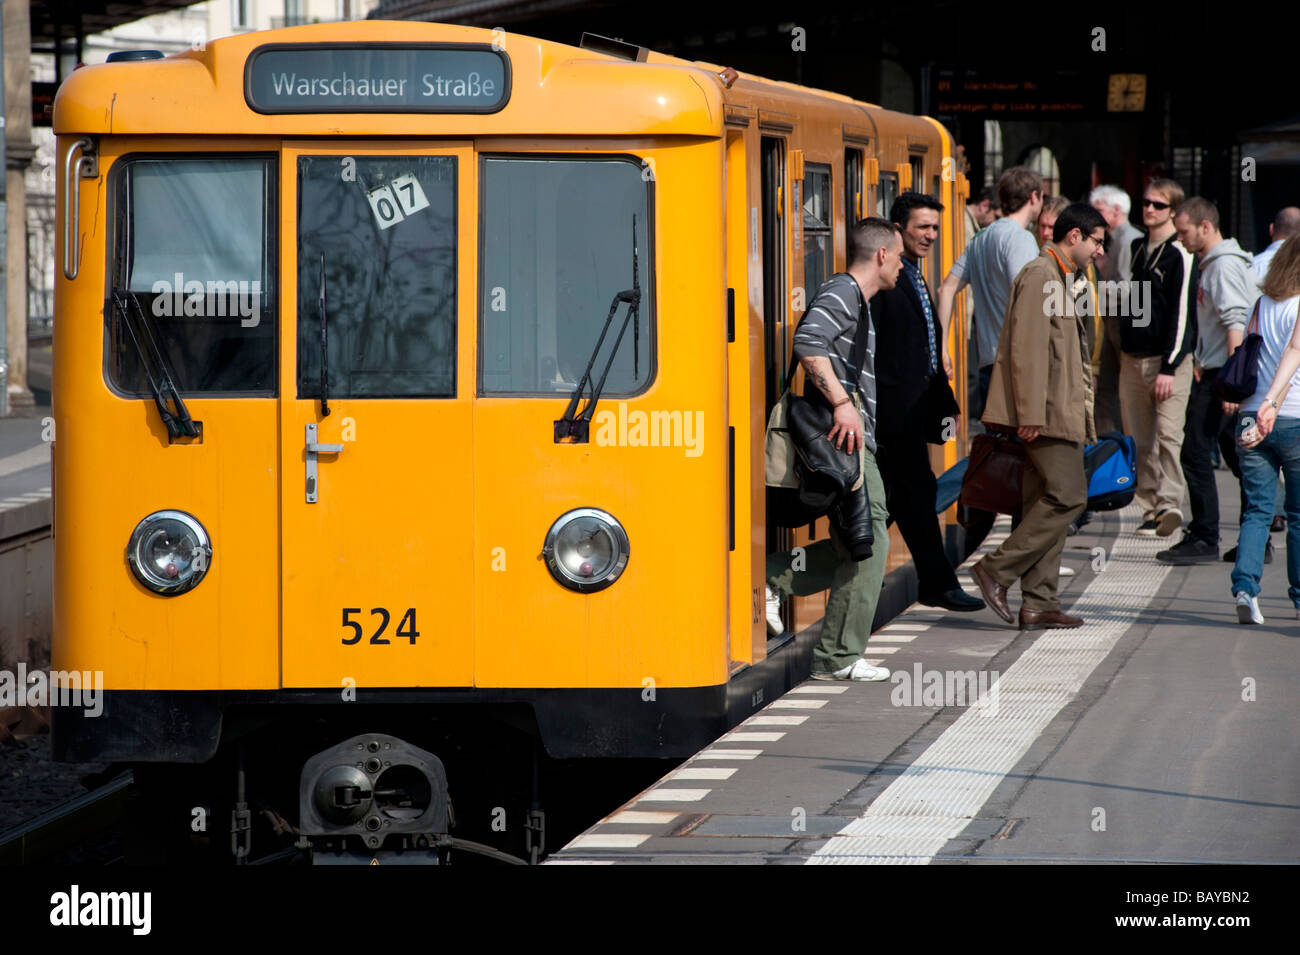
x=1285 y=224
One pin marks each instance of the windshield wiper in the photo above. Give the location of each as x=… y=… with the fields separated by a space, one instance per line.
x=575 y=430
x=324 y=346
x=156 y=370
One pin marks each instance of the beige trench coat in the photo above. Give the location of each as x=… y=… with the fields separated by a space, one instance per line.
x=1041 y=376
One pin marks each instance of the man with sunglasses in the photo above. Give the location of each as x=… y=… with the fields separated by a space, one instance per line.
x=1155 y=367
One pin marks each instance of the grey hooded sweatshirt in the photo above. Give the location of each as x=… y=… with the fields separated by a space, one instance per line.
x=1223 y=301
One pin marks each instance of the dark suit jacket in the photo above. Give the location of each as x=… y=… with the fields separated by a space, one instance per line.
x=902 y=362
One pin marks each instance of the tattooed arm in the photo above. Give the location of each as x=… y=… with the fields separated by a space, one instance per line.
x=846 y=431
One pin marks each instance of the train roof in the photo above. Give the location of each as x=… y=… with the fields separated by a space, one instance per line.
x=556 y=89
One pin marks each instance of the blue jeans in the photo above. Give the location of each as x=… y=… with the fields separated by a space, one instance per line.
x=1259 y=469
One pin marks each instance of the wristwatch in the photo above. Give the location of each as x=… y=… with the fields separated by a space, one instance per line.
x=1276 y=406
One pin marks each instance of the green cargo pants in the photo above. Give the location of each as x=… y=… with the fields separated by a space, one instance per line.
x=854 y=585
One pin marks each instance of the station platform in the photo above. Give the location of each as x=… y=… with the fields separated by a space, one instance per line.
x=1162 y=731
x=24 y=459
x=26 y=551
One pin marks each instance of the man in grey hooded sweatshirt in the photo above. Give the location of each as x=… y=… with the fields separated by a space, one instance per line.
x=1224 y=300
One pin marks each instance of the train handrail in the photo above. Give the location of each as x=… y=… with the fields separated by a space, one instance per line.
x=72 y=195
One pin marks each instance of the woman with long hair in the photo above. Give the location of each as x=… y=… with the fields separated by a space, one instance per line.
x=1269 y=435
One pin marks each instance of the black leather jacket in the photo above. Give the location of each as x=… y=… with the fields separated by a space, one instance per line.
x=827 y=476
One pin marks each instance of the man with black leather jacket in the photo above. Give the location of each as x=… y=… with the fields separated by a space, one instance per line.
x=838 y=363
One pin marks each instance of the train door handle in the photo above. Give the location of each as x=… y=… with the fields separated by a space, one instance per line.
x=312 y=450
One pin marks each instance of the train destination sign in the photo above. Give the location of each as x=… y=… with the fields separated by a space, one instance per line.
x=376 y=77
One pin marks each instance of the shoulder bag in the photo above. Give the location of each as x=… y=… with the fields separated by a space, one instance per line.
x=1239 y=376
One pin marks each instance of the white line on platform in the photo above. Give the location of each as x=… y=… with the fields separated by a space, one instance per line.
x=674 y=795
x=608 y=840
x=743 y=737
x=797 y=705
x=640 y=818
x=819 y=688
x=775 y=720
x=578 y=862
x=705 y=772
x=886 y=637
x=729 y=754
x=875 y=647
x=938 y=795
x=906 y=627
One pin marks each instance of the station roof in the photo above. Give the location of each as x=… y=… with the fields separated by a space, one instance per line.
x=91 y=16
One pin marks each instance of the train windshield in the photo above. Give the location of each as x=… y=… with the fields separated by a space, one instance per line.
x=556 y=247
x=382 y=230
x=191 y=249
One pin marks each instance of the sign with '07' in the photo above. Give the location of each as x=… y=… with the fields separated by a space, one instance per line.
x=377 y=78
x=394 y=202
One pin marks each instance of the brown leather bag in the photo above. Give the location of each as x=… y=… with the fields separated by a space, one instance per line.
x=995 y=474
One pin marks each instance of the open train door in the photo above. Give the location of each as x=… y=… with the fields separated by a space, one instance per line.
x=378 y=246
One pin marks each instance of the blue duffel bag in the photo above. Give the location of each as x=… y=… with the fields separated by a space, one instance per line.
x=1111 y=468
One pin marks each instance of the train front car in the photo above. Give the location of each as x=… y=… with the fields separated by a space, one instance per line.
x=394 y=451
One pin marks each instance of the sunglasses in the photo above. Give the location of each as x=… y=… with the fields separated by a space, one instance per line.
x=1160 y=206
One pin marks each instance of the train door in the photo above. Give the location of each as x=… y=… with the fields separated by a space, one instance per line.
x=376 y=438
x=776 y=355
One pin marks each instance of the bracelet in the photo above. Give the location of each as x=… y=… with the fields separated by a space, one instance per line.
x=845 y=399
x=1276 y=406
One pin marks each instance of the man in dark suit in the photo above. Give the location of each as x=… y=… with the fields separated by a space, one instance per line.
x=915 y=405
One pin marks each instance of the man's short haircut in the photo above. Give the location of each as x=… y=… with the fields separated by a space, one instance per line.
x=1198 y=210
x=1016 y=186
x=1112 y=196
x=867 y=236
x=1286 y=223
x=905 y=203
x=1172 y=192
x=988 y=194
x=1052 y=206
x=1077 y=215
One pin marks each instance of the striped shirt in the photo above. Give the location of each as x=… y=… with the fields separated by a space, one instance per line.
x=829 y=328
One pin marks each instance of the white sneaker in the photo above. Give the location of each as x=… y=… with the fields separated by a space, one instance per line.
x=774 y=624
x=859 y=670
x=1248 y=609
x=1067 y=571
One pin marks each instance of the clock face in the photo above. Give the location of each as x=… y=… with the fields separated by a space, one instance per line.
x=1126 y=93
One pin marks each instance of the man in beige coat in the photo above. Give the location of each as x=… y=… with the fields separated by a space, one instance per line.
x=1042 y=389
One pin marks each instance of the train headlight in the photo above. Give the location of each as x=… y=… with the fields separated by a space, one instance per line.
x=169 y=552
x=586 y=549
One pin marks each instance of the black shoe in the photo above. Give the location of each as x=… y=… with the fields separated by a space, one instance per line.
x=1278 y=525
x=1230 y=556
x=955 y=599
x=1189 y=550
x=1079 y=521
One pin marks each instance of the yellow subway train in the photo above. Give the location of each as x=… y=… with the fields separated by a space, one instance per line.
x=412 y=380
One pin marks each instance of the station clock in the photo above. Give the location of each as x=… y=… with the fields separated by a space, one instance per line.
x=1127 y=93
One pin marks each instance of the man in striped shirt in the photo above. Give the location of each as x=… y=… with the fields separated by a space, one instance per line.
x=835 y=343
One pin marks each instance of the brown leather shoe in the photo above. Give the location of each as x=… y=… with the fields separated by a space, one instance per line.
x=995 y=595
x=1047 y=620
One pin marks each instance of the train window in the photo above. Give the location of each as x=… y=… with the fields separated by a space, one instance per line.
x=888 y=193
x=386 y=245
x=190 y=261
x=818 y=257
x=854 y=193
x=557 y=246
